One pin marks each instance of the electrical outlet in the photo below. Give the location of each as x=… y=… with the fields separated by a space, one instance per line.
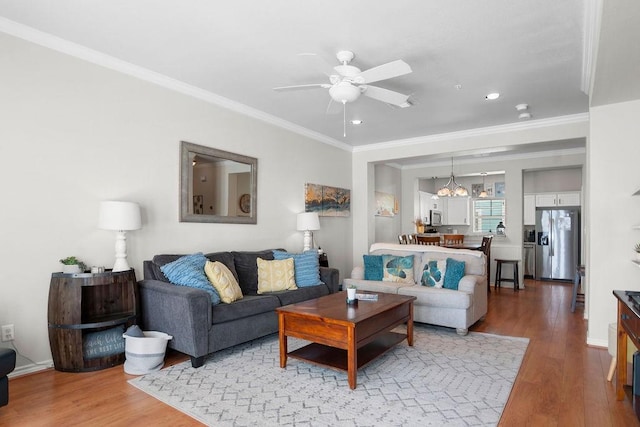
x=8 y=333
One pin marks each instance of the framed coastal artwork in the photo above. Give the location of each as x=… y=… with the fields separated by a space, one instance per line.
x=327 y=200
x=499 y=189
x=386 y=204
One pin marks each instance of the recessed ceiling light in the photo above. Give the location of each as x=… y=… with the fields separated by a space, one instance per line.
x=492 y=96
x=356 y=122
x=522 y=107
x=524 y=116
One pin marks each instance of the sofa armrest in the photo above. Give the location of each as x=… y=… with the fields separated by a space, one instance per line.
x=470 y=283
x=331 y=278
x=180 y=311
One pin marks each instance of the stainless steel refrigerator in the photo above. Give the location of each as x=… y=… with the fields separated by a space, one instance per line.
x=557 y=243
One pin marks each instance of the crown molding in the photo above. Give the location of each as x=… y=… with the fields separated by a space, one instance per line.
x=494 y=158
x=591 y=31
x=73 y=49
x=490 y=130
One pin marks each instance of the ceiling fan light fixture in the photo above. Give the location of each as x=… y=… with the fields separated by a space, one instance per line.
x=344 y=92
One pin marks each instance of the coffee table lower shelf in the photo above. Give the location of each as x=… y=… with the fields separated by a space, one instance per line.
x=332 y=357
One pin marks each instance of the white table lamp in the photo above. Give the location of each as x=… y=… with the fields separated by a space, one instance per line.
x=121 y=217
x=307 y=222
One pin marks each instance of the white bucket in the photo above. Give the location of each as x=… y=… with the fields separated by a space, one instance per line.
x=145 y=354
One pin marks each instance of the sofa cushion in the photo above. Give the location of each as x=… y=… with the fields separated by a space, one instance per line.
x=223 y=281
x=301 y=294
x=455 y=272
x=434 y=297
x=226 y=258
x=249 y=305
x=373 y=267
x=307 y=266
x=397 y=269
x=433 y=273
x=276 y=275
x=247 y=269
x=188 y=270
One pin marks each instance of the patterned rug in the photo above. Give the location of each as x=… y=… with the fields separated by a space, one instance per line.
x=444 y=379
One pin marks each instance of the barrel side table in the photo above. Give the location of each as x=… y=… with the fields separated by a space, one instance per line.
x=83 y=305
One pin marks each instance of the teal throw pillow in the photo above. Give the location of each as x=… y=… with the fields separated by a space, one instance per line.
x=397 y=269
x=433 y=273
x=372 y=267
x=455 y=272
x=189 y=271
x=306 y=266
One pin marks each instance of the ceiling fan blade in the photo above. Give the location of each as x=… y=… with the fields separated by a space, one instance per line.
x=388 y=96
x=385 y=71
x=299 y=87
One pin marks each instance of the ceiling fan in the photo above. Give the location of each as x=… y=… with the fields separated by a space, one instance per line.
x=347 y=82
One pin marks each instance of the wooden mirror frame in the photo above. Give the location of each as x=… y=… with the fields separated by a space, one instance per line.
x=187 y=150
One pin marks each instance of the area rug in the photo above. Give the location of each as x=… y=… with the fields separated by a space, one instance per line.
x=444 y=379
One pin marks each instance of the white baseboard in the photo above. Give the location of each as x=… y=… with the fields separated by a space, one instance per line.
x=31 y=368
x=598 y=343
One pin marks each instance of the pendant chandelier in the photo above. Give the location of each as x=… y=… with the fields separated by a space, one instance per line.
x=452 y=189
x=483 y=194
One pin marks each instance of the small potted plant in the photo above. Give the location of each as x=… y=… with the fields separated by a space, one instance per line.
x=637 y=249
x=351 y=294
x=71 y=265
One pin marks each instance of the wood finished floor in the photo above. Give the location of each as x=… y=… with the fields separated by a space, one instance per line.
x=562 y=381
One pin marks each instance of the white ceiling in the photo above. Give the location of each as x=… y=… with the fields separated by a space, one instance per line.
x=530 y=52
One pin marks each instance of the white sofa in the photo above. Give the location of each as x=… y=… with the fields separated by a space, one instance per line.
x=457 y=309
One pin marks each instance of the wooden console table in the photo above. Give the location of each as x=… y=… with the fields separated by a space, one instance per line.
x=628 y=326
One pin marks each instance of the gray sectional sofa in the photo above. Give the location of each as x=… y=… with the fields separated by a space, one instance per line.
x=200 y=328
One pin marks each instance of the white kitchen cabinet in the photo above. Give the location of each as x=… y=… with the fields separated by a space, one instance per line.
x=546 y=200
x=569 y=199
x=558 y=199
x=529 y=209
x=439 y=204
x=457 y=211
x=425 y=204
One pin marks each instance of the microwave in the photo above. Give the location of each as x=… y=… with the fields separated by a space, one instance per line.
x=435 y=218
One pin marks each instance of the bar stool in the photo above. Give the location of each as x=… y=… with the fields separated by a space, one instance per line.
x=499 y=279
x=577 y=297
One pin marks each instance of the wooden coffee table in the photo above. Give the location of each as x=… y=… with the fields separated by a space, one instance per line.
x=345 y=337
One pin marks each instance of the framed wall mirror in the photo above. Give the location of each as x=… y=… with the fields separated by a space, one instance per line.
x=217 y=185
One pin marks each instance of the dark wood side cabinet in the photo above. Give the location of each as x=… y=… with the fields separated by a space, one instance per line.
x=81 y=305
x=628 y=326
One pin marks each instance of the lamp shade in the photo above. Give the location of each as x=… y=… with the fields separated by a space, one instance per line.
x=308 y=221
x=119 y=216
